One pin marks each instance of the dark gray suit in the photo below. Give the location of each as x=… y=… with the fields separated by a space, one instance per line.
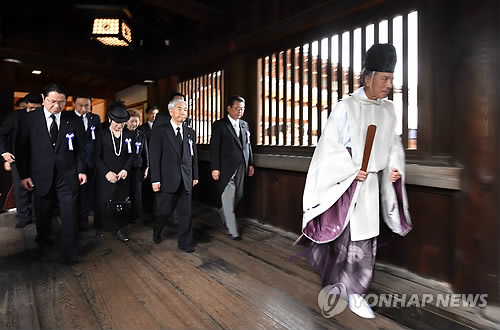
x=231 y=155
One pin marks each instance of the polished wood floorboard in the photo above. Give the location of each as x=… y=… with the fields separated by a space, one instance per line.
x=224 y=284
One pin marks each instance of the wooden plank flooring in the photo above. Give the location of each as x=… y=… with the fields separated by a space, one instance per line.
x=225 y=284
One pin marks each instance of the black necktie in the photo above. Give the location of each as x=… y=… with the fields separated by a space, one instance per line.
x=241 y=137
x=179 y=138
x=53 y=131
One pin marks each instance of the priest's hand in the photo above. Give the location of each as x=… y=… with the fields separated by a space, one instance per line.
x=362 y=175
x=111 y=177
x=122 y=175
x=395 y=175
x=82 y=178
x=216 y=175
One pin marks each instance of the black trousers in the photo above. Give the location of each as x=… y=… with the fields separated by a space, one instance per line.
x=148 y=195
x=68 y=210
x=23 y=198
x=180 y=201
x=86 y=198
x=136 y=176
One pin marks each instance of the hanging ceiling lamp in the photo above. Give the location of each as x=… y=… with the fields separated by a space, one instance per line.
x=112 y=32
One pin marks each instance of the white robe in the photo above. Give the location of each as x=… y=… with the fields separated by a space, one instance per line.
x=332 y=169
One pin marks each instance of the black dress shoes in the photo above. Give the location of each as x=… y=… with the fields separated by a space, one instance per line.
x=43 y=241
x=72 y=260
x=23 y=223
x=236 y=238
x=85 y=227
x=188 y=249
x=122 y=235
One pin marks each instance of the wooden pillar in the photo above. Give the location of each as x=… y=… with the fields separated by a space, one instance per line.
x=164 y=88
x=475 y=80
x=241 y=79
x=7 y=72
x=153 y=94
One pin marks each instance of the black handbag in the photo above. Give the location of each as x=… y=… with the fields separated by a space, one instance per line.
x=118 y=208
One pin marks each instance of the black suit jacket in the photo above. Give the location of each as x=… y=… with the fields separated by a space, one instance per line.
x=146 y=130
x=8 y=131
x=142 y=150
x=94 y=123
x=166 y=163
x=37 y=159
x=227 y=151
x=162 y=118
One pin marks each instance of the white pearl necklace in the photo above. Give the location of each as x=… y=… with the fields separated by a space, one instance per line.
x=114 y=144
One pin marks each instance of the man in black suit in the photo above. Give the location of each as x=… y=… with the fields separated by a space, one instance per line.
x=174 y=172
x=147 y=192
x=51 y=162
x=150 y=116
x=92 y=125
x=8 y=131
x=231 y=159
x=164 y=117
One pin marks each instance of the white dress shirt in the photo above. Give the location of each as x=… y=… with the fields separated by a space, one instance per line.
x=85 y=119
x=236 y=125
x=174 y=126
x=48 y=120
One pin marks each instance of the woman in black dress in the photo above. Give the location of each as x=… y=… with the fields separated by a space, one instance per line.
x=115 y=159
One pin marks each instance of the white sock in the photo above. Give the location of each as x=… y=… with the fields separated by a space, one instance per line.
x=360 y=307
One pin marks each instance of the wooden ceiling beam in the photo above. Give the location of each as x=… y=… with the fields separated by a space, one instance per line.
x=190 y=9
x=48 y=62
x=33 y=86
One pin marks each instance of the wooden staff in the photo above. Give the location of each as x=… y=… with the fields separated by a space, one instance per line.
x=370 y=136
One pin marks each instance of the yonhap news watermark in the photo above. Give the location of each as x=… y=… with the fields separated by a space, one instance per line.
x=332 y=300
x=443 y=300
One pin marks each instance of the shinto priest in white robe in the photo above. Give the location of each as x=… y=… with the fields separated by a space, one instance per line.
x=331 y=186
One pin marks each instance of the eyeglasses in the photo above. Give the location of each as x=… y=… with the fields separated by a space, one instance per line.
x=51 y=102
x=82 y=105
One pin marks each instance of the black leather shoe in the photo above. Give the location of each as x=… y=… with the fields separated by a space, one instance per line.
x=41 y=241
x=236 y=238
x=85 y=227
x=122 y=235
x=99 y=233
x=157 y=235
x=188 y=249
x=22 y=224
x=72 y=260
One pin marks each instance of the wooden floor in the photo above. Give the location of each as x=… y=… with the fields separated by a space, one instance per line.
x=248 y=284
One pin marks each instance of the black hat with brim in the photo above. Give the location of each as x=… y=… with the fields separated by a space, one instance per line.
x=118 y=114
x=380 y=58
